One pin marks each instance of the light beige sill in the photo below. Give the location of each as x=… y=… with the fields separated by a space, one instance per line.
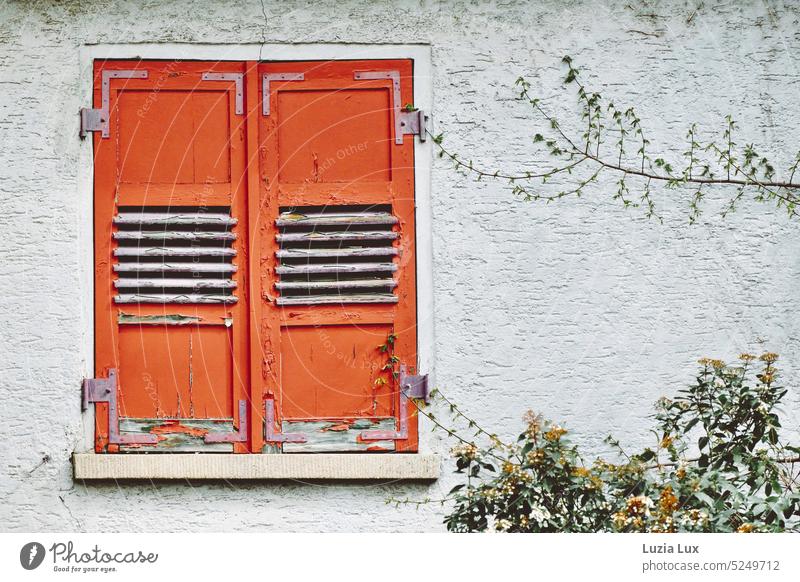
x=90 y=466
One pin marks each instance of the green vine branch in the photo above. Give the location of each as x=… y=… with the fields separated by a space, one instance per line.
x=706 y=164
x=391 y=366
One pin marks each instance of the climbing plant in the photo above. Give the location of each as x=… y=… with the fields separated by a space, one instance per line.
x=718 y=465
x=392 y=361
x=614 y=142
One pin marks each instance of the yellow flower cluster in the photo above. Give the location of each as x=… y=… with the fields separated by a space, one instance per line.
x=694 y=518
x=639 y=505
x=555 y=433
x=635 y=514
x=709 y=362
x=595 y=482
x=620 y=520
x=766 y=377
x=581 y=472
x=465 y=451
x=627 y=470
x=490 y=493
x=667 y=502
x=766 y=357
x=534 y=422
x=664 y=524
x=515 y=475
x=535 y=457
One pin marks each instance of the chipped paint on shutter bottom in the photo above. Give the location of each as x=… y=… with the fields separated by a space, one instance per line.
x=338 y=436
x=177 y=434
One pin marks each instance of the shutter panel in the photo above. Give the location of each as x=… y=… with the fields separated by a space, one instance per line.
x=170 y=301
x=337 y=256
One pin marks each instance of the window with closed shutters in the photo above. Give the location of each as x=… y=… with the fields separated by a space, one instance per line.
x=254 y=246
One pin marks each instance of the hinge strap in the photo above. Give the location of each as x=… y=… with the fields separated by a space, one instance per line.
x=274 y=436
x=405 y=122
x=267 y=78
x=414 y=385
x=240 y=436
x=238 y=78
x=411 y=386
x=98 y=119
x=97 y=390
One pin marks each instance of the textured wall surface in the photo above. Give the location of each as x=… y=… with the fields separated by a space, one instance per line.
x=581 y=310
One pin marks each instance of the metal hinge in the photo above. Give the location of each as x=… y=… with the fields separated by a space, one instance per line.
x=411 y=386
x=267 y=78
x=240 y=436
x=105 y=390
x=406 y=121
x=271 y=435
x=412 y=122
x=98 y=119
x=237 y=78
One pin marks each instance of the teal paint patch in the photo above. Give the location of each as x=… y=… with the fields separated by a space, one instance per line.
x=337 y=436
x=177 y=435
x=169 y=319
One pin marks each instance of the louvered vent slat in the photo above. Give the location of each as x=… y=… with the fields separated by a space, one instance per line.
x=141 y=250
x=173 y=235
x=190 y=267
x=187 y=283
x=336 y=254
x=173 y=298
x=321 y=216
x=337 y=268
x=391 y=283
x=174 y=256
x=336 y=236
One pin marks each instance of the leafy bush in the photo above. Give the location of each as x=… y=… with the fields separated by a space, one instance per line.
x=718 y=466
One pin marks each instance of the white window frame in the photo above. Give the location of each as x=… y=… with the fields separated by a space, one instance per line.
x=421 y=465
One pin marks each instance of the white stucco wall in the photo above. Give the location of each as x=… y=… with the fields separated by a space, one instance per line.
x=580 y=310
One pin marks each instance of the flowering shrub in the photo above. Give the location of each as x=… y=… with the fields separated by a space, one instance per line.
x=718 y=466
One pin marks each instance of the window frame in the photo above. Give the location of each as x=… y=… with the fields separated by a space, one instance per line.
x=420 y=54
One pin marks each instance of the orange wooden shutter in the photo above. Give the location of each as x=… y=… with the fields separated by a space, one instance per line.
x=336 y=231
x=170 y=232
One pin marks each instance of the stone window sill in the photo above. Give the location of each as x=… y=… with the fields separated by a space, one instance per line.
x=379 y=467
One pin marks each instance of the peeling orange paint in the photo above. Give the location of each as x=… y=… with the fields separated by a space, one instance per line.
x=174 y=427
x=338 y=427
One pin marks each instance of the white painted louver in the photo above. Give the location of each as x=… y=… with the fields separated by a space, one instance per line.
x=174 y=255
x=336 y=254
